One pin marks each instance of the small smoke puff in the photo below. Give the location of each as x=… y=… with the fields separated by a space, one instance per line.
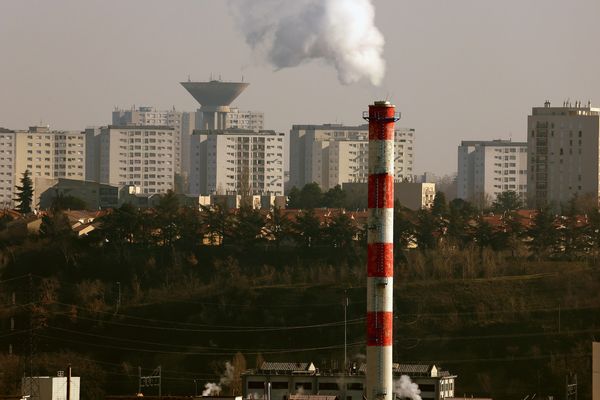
x=211 y=389
x=340 y=32
x=407 y=389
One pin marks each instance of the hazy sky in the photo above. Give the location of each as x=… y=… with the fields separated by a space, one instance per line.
x=456 y=69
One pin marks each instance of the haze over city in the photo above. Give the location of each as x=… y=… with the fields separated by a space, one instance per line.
x=299 y=200
x=456 y=70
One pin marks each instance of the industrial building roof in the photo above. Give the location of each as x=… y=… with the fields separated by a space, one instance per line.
x=287 y=366
x=311 y=397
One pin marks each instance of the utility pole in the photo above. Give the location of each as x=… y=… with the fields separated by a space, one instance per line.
x=345 y=331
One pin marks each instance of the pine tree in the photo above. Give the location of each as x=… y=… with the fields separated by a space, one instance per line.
x=25 y=194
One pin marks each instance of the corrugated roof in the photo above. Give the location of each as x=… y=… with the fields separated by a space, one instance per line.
x=284 y=366
x=311 y=397
x=412 y=368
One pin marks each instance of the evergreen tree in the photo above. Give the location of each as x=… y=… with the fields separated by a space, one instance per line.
x=25 y=193
x=439 y=208
x=507 y=201
x=543 y=233
x=294 y=200
x=334 y=197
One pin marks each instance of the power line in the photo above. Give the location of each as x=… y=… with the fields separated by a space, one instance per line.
x=191 y=353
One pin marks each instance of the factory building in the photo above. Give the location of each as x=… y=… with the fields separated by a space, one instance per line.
x=488 y=168
x=245 y=162
x=280 y=380
x=334 y=154
x=141 y=156
x=562 y=145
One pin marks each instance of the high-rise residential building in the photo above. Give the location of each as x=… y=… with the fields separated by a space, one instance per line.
x=247 y=120
x=488 y=168
x=44 y=153
x=563 y=154
x=150 y=116
x=333 y=154
x=7 y=167
x=142 y=156
x=225 y=161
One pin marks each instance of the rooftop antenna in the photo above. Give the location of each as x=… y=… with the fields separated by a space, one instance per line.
x=189 y=80
x=219 y=77
x=211 y=78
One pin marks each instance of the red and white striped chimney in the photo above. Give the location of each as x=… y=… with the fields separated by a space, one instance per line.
x=382 y=116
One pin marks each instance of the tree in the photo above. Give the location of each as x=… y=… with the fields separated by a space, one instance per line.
x=277 y=226
x=166 y=218
x=460 y=213
x=25 y=193
x=507 y=201
x=543 y=234
x=308 y=228
x=439 y=208
x=311 y=196
x=294 y=200
x=426 y=230
x=248 y=226
x=341 y=231
x=334 y=197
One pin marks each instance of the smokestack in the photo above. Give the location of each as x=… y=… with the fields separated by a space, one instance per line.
x=380 y=268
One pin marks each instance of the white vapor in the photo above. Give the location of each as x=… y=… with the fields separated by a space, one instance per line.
x=340 y=32
x=214 y=389
x=406 y=389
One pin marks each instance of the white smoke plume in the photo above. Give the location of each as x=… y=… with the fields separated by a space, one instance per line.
x=211 y=389
x=407 y=389
x=340 y=32
x=214 y=389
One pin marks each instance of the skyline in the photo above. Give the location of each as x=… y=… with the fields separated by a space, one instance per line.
x=473 y=71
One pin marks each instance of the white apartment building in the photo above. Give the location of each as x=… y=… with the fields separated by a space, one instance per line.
x=247 y=120
x=142 y=156
x=488 y=168
x=235 y=160
x=42 y=152
x=563 y=154
x=7 y=167
x=333 y=154
x=150 y=116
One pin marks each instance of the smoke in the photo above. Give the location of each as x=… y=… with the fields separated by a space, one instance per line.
x=342 y=33
x=211 y=389
x=214 y=389
x=406 y=389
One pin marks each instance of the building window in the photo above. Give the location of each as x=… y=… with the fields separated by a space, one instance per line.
x=256 y=385
x=328 y=386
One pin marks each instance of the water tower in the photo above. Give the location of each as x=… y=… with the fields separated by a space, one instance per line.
x=214 y=98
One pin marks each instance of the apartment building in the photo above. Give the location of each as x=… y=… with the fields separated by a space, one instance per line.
x=564 y=160
x=150 y=116
x=334 y=154
x=247 y=120
x=7 y=167
x=225 y=161
x=488 y=168
x=142 y=156
x=44 y=153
